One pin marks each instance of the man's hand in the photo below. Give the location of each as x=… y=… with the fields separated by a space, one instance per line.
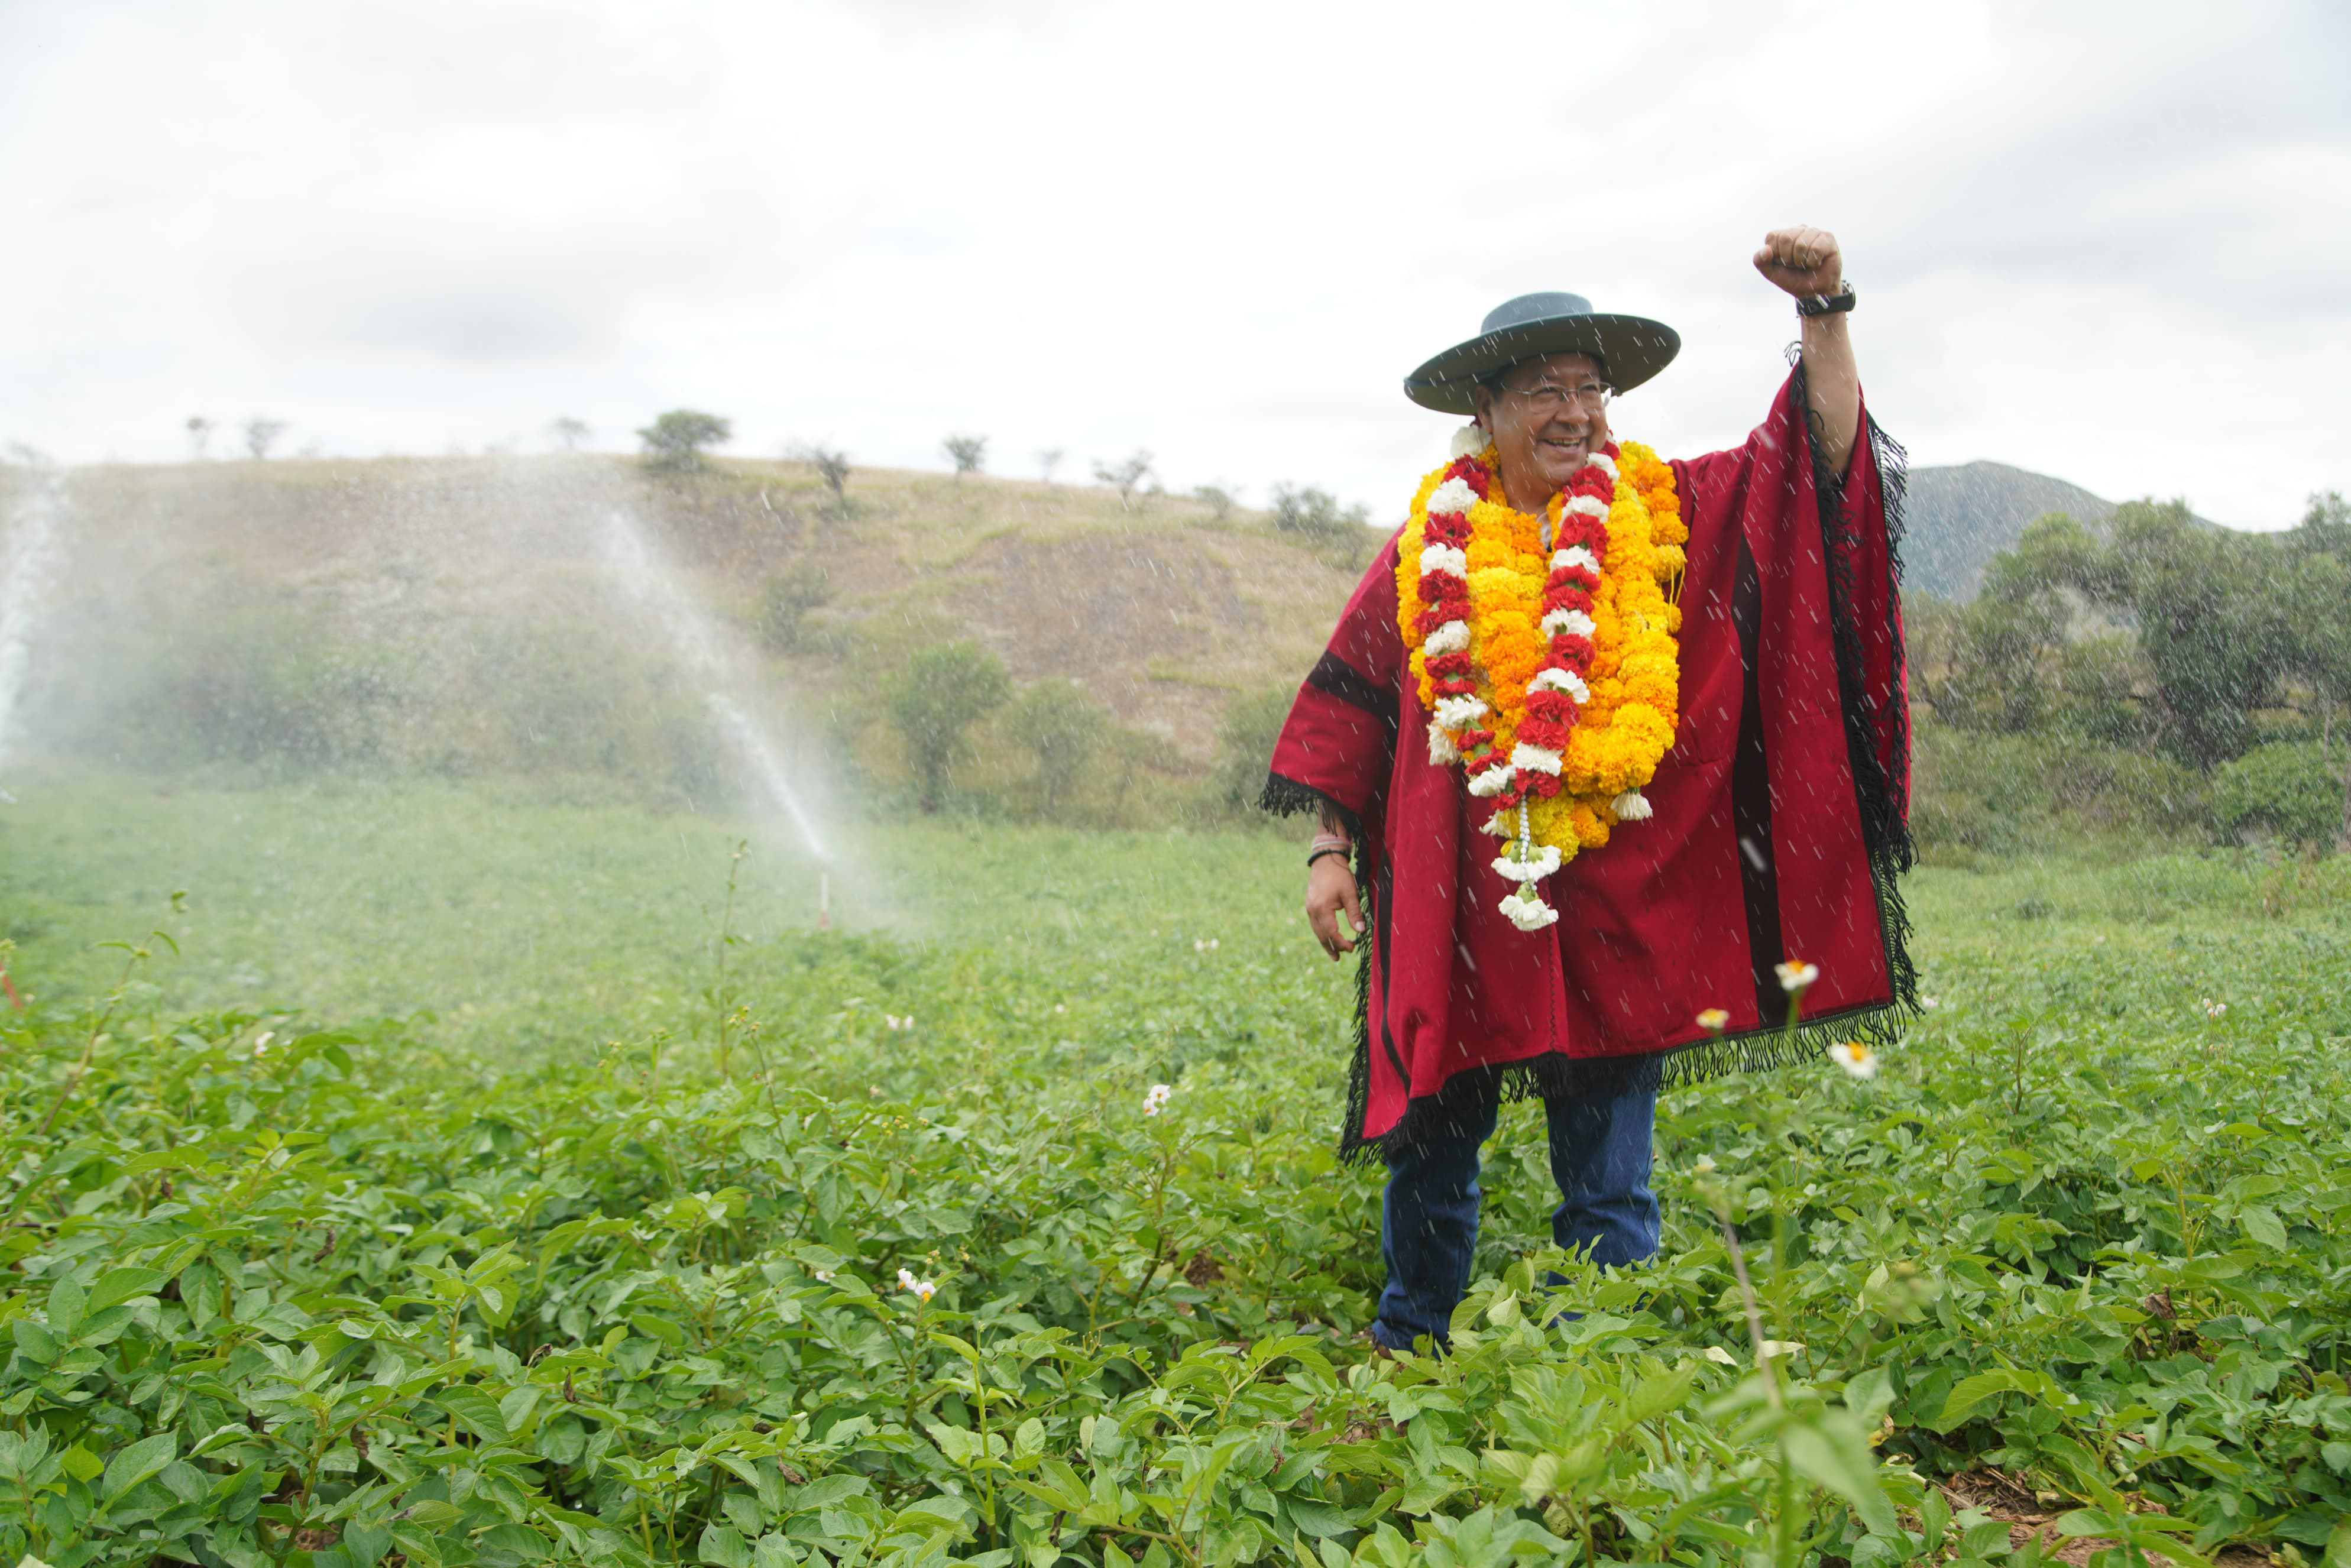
x=1802 y=260
x=1329 y=890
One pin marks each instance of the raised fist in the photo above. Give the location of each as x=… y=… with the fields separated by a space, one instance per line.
x=1802 y=260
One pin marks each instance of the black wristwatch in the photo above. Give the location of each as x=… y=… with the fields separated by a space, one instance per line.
x=1827 y=304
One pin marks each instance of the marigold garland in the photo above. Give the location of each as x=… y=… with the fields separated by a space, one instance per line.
x=1544 y=647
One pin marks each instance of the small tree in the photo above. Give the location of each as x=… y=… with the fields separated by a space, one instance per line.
x=934 y=702
x=1304 y=509
x=831 y=465
x=1060 y=726
x=967 y=452
x=1244 y=738
x=261 y=434
x=1048 y=459
x=200 y=435
x=785 y=601
x=675 y=439
x=1219 y=500
x=1125 y=474
x=570 y=432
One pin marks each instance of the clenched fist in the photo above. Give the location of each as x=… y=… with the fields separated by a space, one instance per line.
x=1802 y=260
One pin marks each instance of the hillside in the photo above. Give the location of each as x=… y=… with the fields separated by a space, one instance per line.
x=1962 y=516
x=564 y=613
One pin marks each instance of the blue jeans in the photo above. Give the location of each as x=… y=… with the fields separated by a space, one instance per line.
x=1599 y=1156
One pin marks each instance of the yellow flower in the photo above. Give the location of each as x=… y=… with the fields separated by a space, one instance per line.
x=1714 y=1020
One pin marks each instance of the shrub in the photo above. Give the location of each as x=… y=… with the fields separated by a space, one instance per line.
x=934 y=704
x=967 y=452
x=2292 y=790
x=1061 y=726
x=785 y=601
x=1304 y=509
x=675 y=439
x=1245 y=738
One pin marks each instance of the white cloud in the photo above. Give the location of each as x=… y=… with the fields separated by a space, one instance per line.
x=2097 y=240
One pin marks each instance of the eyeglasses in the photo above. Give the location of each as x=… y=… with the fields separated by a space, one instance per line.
x=1551 y=397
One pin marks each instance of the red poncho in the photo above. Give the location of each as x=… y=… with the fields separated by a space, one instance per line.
x=1779 y=824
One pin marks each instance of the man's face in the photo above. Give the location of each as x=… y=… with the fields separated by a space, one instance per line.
x=1542 y=437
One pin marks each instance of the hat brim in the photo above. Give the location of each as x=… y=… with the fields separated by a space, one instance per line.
x=1632 y=349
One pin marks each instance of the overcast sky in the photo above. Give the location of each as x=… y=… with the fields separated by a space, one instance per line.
x=2106 y=242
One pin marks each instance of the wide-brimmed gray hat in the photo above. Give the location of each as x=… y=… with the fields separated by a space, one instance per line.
x=1630 y=349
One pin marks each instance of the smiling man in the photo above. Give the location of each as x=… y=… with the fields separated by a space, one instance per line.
x=1619 y=751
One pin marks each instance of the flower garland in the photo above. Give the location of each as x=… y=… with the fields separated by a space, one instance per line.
x=1544 y=648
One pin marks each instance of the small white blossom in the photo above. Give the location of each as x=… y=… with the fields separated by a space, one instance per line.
x=1527 y=910
x=1605 y=463
x=1460 y=713
x=2211 y=1009
x=1567 y=624
x=1928 y=1004
x=1857 y=1060
x=1575 y=555
x=1442 y=752
x=1554 y=679
x=1469 y=440
x=1588 y=505
x=1632 y=806
x=925 y=1289
x=1795 y=979
x=1492 y=782
x=1453 y=496
x=1453 y=637
x=1508 y=865
x=824 y=1276
x=1714 y=1020
x=1154 y=1100
x=1535 y=758
x=1445 y=561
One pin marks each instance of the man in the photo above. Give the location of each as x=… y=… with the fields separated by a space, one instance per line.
x=1689 y=759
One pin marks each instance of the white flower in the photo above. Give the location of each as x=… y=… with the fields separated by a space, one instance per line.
x=1632 y=806
x=1453 y=496
x=1857 y=1060
x=824 y=1276
x=1554 y=679
x=1567 y=624
x=1527 y=910
x=1501 y=824
x=1713 y=1021
x=1796 y=978
x=1445 y=561
x=1460 y=713
x=1155 y=1099
x=893 y=1020
x=1441 y=749
x=1928 y=1004
x=1575 y=555
x=1470 y=440
x=2213 y=1009
x=1453 y=637
x=1511 y=869
x=1492 y=782
x=1060 y=1007
x=1204 y=945
x=1605 y=463
x=1587 y=505
x=1535 y=758
x=923 y=1288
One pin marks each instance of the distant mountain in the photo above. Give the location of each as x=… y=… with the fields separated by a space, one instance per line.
x=1961 y=516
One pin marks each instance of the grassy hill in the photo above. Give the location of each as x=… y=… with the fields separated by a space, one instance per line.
x=460 y=615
